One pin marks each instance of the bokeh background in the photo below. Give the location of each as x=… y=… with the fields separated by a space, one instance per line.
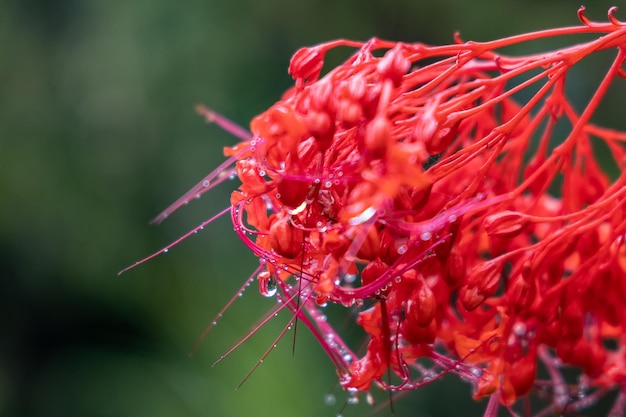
x=98 y=134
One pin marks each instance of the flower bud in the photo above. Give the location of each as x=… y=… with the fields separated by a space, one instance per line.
x=481 y=283
x=422 y=305
x=393 y=66
x=370 y=247
x=285 y=239
x=505 y=224
x=373 y=271
x=307 y=63
x=377 y=136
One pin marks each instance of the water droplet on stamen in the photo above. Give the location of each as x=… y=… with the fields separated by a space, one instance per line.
x=268 y=285
x=166 y=250
x=206 y=183
x=402 y=249
x=347 y=302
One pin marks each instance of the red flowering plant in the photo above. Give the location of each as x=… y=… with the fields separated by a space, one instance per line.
x=471 y=234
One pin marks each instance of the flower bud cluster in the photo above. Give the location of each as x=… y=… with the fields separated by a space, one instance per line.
x=477 y=244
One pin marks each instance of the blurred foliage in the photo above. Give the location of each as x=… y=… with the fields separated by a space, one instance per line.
x=98 y=134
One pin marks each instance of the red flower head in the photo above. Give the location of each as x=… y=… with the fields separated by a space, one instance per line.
x=473 y=238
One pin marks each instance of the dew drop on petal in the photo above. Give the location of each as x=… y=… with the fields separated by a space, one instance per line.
x=426 y=236
x=402 y=249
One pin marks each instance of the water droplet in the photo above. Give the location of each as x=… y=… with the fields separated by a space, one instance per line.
x=198 y=196
x=214 y=323
x=519 y=329
x=347 y=302
x=426 y=236
x=166 y=250
x=262 y=173
x=328 y=184
x=316 y=181
x=206 y=183
x=349 y=278
x=321 y=317
x=278 y=196
x=452 y=218
x=402 y=249
x=267 y=284
x=330 y=399
x=397 y=279
x=353 y=399
x=347 y=358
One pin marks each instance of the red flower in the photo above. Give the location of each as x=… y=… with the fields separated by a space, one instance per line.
x=483 y=244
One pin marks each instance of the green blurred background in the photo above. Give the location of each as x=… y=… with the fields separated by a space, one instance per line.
x=98 y=134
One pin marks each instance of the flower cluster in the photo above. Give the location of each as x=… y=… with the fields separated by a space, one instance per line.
x=476 y=233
